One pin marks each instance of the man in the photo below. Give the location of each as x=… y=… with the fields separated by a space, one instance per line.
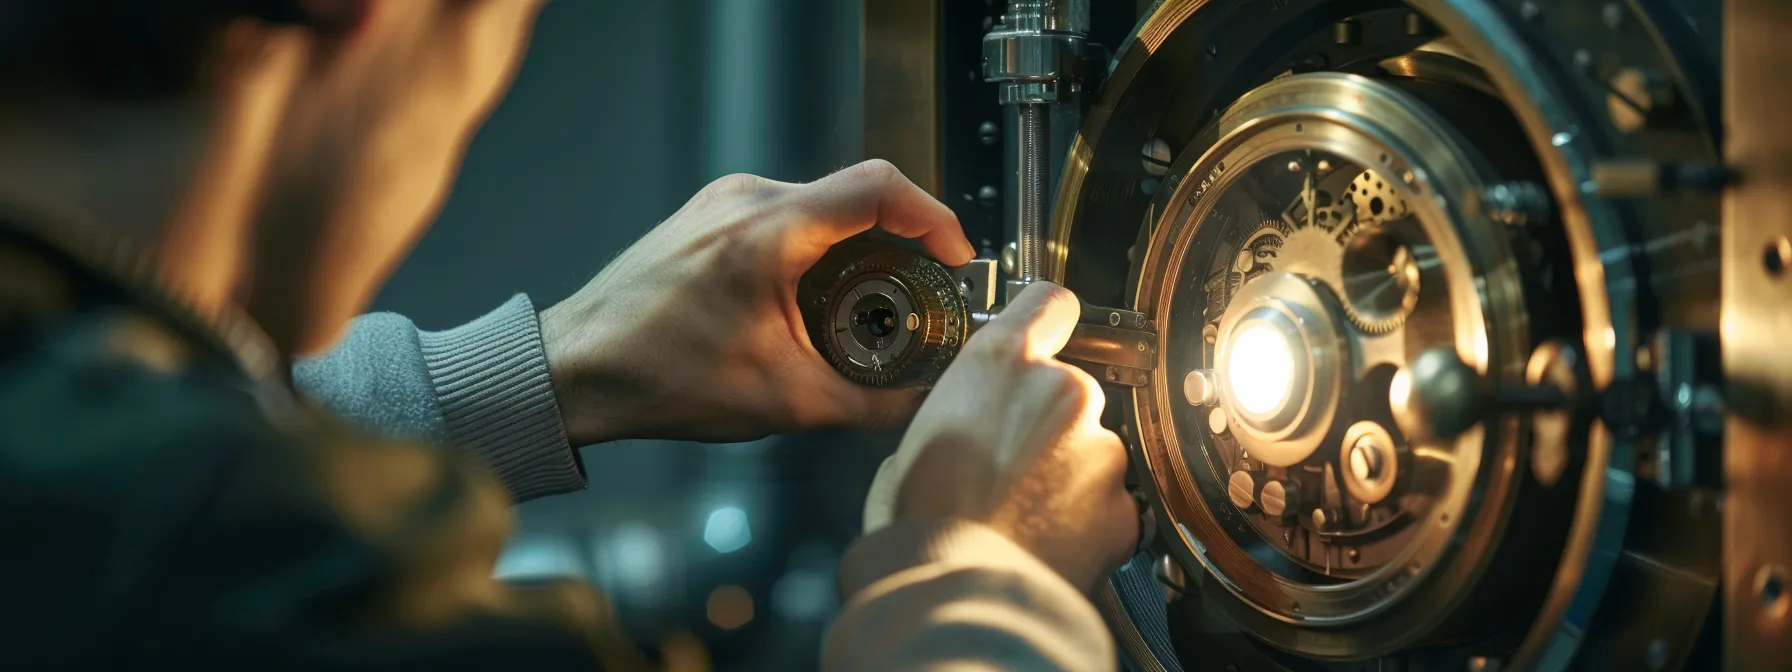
x=167 y=504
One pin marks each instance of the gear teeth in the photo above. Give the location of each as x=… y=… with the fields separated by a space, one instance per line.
x=1380 y=327
x=939 y=308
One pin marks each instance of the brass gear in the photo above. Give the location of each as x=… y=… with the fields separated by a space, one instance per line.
x=1379 y=281
x=1374 y=200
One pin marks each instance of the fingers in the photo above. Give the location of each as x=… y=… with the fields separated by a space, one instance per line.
x=875 y=193
x=1039 y=321
x=880 y=502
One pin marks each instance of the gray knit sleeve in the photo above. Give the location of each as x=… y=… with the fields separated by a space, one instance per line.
x=482 y=387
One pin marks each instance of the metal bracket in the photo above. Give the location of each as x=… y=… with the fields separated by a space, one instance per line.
x=1120 y=343
x=1689 y=384
x=979 y=282
x=1756 y=317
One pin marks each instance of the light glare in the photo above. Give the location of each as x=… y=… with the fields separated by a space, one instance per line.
x=1260 y=369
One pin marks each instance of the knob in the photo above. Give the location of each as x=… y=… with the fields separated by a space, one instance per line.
x=881 y=315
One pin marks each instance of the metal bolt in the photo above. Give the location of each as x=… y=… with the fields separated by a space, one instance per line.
x=1242 y=489
x=1293 y=166
x=1141 y=346
x=989 y=133
x=1156 y=157
x=1274 y=498
x=1114 y=319
x=1353 y=554
x=1009 y=254
x=1198 y=388
x=1210 y=333
x=1216 y=420
x=1113 y=373
x=1319 y=518
x=1365 y=459
x=1347 y=32
x=1325 y=166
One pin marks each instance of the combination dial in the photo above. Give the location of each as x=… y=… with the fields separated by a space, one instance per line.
x=883 y=316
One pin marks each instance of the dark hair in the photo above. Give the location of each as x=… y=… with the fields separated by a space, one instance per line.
x=116 y=49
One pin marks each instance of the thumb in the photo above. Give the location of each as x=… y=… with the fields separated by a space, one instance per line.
x=1040 y=320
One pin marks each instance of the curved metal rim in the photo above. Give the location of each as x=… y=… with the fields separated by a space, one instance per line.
x=1602 y=512
x=1293 y=109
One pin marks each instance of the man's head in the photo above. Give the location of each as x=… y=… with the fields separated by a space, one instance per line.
x=325 y=133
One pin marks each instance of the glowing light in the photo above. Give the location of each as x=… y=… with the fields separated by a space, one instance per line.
x=730 y=607
x=1260 y=369
x=727 y=530
x=539 y=557
x=637 y=558
x=804 y=594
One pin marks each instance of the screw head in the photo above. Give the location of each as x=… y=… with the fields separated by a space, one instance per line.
x=1242 y=489
x=1365 y=459
x=1274 y=498
x=1198 y=388
x=1155 y=156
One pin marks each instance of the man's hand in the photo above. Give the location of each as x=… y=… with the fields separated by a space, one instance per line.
x=1012 y=438
x=694 y=333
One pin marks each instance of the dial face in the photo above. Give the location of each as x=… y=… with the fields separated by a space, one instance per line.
x=1346 y=509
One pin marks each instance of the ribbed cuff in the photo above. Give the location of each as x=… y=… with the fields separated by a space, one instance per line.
x=491 y=380
x=907 y=544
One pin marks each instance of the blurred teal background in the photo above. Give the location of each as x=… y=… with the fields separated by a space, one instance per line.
x=621 y=112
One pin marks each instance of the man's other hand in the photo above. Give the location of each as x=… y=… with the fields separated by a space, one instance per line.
x=694 y=333
x=1012 y=438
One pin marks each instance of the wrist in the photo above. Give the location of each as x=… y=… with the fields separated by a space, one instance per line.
x=587 y=373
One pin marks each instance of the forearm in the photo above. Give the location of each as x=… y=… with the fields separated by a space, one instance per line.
x=482 y=387
x=959 y=596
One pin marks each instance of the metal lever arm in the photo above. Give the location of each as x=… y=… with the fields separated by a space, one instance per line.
x=1120 y=344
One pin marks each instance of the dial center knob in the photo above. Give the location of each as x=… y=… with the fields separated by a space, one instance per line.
x=1279 y=365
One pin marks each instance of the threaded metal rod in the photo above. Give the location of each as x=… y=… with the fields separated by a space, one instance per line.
x=1031 y=183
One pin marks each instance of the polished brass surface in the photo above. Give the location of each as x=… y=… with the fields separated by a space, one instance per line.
x=900 y=83
x=1366 y=123
x=1757 y=319
x=1180 y=56
x=1633 y=570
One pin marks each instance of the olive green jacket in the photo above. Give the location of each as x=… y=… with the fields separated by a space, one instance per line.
x=166 y=503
